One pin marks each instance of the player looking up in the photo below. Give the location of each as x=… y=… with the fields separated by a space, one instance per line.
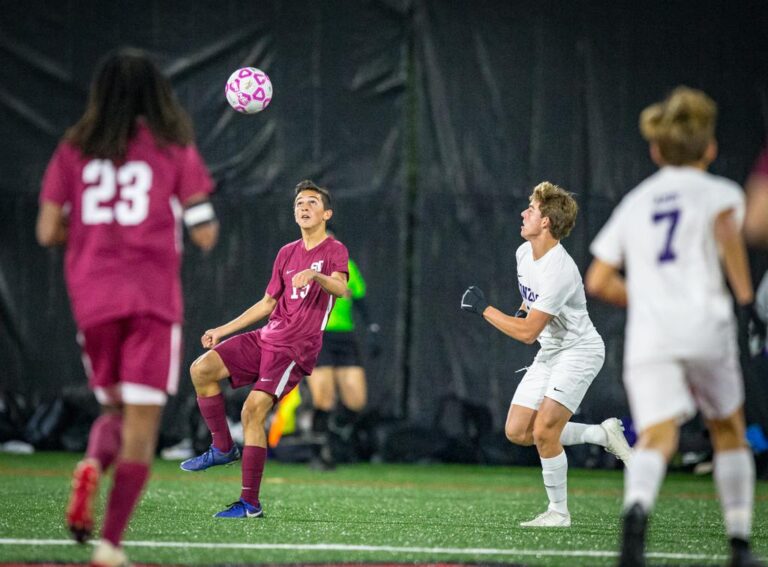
x=554 y=312
x=671 y=233
x=307 y=275
x=113 y=194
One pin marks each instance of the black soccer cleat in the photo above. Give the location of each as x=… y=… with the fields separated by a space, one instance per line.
x=633 y=537
x=741 y=556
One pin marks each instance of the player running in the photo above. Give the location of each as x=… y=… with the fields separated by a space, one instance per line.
x=671 y=234
x=113 y=194
x=554 y=312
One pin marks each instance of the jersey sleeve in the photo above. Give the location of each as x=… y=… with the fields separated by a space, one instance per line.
x=557 y=289
x=729 y=197
x=275 y=287
x=356 y=283
x=56 y=187
x=194 y=178
x=608 y=245
x=339 y=259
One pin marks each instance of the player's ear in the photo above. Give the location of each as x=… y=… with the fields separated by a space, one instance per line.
x=327 y=214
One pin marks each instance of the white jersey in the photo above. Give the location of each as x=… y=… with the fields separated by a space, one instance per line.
x=552 y=284
x=662 y=234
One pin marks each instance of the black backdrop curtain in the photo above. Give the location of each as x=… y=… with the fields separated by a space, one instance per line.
x=430 y=121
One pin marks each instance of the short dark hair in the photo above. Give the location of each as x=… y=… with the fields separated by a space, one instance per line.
x=309 y=185
x=126 y=85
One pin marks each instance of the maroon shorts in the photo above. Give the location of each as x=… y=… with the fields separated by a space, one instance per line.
x=133 y=360
x=251 y=363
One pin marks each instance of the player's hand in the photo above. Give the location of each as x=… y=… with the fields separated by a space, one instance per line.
x=211 y=338
x=474 y=300
x=304 y=277
x=373 y=340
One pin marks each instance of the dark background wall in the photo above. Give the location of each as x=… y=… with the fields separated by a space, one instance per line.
x=429 y=120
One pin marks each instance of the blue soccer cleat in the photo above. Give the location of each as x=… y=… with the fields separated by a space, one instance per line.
x=241 y=509
x=211 y=458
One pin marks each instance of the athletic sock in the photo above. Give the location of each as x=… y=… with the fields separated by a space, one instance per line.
x=734 y=473
x=580 y=433
x=555 y=473
x=214 y=412
x=254 y=459
x=104 y=439
x=127 y=484
x=320 y=429
x=642 y=479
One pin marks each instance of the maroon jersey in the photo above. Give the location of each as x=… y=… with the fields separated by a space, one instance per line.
x=124 y=245
x=296 y=325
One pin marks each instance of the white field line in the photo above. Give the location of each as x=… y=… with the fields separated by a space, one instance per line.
x=376 y=548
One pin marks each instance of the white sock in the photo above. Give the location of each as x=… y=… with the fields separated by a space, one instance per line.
x=735 y=480
x=580 y=433
x=643 y=477
x=555 y=473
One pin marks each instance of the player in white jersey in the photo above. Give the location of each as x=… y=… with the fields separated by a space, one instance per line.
x=554 y=312
x=670 y=235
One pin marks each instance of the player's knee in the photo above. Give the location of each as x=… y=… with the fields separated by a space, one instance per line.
x=255 y=411
x=543 y=435
x=203 y=370
x=518 y=436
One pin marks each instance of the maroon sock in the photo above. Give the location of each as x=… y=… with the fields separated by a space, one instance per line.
x=214 y=413
x=253 y=469
x=129 y=480
x=105 y=438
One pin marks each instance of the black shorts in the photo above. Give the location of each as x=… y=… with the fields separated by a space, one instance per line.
x=339 y=349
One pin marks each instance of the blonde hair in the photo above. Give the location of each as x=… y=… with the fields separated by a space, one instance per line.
x=682 y=125
x=558 y=205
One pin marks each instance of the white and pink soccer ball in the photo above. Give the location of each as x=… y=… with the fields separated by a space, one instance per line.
x=248 y=90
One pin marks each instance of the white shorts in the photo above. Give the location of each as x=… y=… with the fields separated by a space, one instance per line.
x=660 y=391
x=565 y=378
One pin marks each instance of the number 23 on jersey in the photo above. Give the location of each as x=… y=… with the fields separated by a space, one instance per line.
x=130 y=183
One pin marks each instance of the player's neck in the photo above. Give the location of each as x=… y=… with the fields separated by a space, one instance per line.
x=542 y=244
x=313 y=236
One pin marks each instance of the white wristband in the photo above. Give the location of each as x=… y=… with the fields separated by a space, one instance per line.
x=199 y=213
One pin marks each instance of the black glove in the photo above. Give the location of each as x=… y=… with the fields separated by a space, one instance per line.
x=755 y=325
x=521 y=313
x=474 y=300
x=373 y=340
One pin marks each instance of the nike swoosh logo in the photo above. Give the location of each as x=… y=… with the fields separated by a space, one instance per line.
x=557 y=389
x=289 y=271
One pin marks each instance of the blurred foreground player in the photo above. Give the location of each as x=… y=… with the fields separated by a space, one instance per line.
x=114 y=194
x=671 y=234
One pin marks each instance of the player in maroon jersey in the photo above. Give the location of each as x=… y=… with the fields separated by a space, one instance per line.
x=307 y=276
x=114 y=193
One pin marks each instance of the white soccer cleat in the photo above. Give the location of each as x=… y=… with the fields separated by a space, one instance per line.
x=107 y=555
x=549 y=519
x=617 y=443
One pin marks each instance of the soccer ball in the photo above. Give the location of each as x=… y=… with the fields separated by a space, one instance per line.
x=248 y=90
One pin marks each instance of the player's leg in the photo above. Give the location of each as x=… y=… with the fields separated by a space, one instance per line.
x=525 y=404
x=353 y=393
x=101 y=354
x=660 y=399
x=719 y=394
x=278 y=375
x=548 y=425
x=237 y=358
x=149 y=368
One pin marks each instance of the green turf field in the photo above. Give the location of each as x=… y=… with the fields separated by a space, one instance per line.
x=366 y=513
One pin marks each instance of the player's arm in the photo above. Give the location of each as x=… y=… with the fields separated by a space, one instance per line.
x=525 y=328
x=255 y=313
x=51 y=228
x=756 y=216
x=734 y=254
x=335 y=284
x=201 y=222
x=605 y=282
